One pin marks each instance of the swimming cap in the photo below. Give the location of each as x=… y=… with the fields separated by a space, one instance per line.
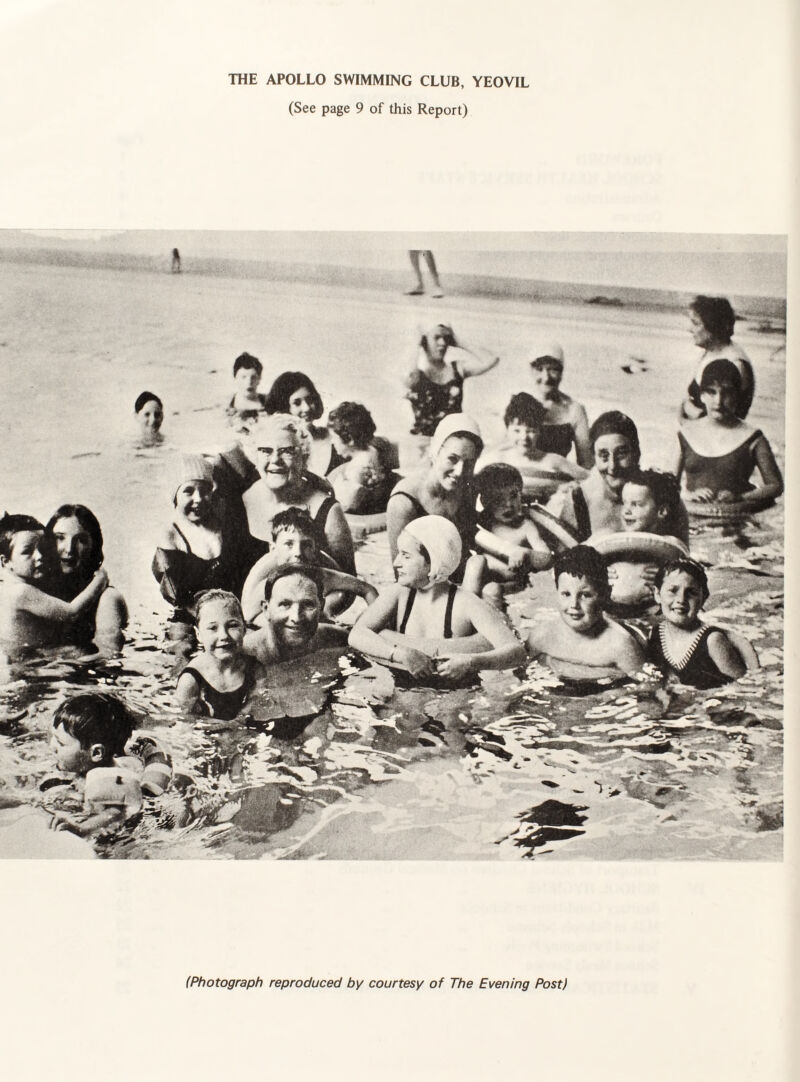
x=190 y=468
x=551 y=352
x=442 y=542
x=454 y=424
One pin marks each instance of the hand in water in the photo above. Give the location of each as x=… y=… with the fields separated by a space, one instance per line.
x=417 y=663
x=456 y=667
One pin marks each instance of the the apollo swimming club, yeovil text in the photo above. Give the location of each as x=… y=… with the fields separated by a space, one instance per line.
x=311 y=82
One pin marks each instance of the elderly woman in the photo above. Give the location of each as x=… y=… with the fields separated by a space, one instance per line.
x=595 y=505
x=712 y=320
x=443 y=488
x=276 y=448
x=295 y=394
x=77 y=541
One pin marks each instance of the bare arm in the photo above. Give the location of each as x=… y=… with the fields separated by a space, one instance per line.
x=40 y=604
x=253 y=589
x=473 y=362
x=507 y=651
x=187 y=692
x=399 y=512
x=111 y=617
x=339 y=540
x=349 y=584
x=365 y=635
x=725 y=656
x=631 y=654
x=583 y=446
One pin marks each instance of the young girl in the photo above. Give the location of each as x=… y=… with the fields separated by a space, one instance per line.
x=149 y=410
x=424 y=623
x=542 y=471
x=509 y=538
x=435 y=381
x=698 y=654
x=719 y=452
x=218 y=681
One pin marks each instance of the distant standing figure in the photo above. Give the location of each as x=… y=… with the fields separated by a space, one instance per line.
x=418 y=289
x=176 y=261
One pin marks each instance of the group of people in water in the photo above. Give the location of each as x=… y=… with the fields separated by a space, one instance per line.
x=258 y=561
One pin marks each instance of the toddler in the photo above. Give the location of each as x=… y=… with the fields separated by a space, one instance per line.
x=91 y=740
x=28 y=615
x=506 y=534
x=698 y=654
x=361 y=481
x=584 y=644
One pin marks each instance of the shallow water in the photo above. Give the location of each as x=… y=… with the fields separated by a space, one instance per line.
x=512 y=769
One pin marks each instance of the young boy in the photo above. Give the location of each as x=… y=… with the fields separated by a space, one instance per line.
x=91 y=735
x=27 y=613
x=512 y=543
x=294 y=541
x=584 y=644
x=542 y=472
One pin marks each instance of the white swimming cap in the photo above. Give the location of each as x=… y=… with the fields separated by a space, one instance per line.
x=190 y=468
x=442 y=542
x=452 y=425
x=549 y=352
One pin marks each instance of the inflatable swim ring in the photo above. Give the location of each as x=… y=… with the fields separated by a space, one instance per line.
x=542 y=484
x=628 y=556
x=363 y=525
x=557 y=535
x=729 y=511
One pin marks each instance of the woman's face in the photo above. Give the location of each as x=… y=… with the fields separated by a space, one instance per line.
x=454 y=465
x=302 y=404
x=615 y=459
x=701 y=336
x=411 y=563
x=277 y=455
x=546 y=379
x=151 y=416
x=73 y=545
x=720 y=400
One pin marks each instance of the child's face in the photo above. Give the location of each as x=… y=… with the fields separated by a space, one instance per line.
x=614 y=459
x=73 y=544
x=639 y=510
x=151 y=416
x=681 y=599
x=220 y=629
x=301 y=404
x=293 y=547
x=546 y=378
x=193 y=501
x=720 y=400
x=293 y=610
x=70 y=756
x=506 y=505
x=367 y=467
x=27 y=560
x=247 y=380
x=579 y=602
x=523 y=436
x=411 y=563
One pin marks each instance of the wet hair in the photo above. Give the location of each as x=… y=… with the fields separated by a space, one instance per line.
x=690 y=567
x=307 y=571
x=11 y=525
x=248 y=362
x=207 y=597
x=87 y=521
x=583 y=561
x=96 y=718
x=496 y=476
x=615 y=423
x=144 y=398
x=294 y=518
x=353 y=423
x=721 y=370
x=662 y=486
x=526 y=409
x=717 y=316
x=286 y=385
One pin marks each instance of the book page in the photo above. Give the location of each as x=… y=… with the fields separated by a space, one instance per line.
x=520 y=875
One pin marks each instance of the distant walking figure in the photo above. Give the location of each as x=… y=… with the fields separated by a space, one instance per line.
x=418 y=289
x=176 y=261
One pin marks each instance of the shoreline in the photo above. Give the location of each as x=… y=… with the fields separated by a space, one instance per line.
x=770 y=310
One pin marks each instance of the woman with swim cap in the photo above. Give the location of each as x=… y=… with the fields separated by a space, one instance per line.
x=566 y=424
